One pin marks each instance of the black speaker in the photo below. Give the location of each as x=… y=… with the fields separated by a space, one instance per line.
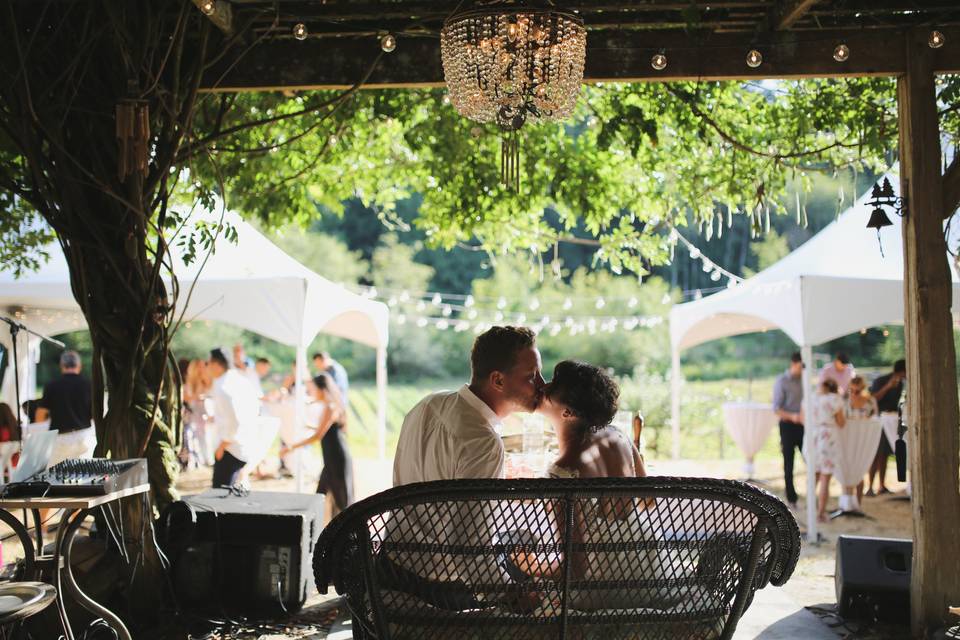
x=873 y=578
x=250 y=554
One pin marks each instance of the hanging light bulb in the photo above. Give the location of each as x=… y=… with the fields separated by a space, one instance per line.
x=694 y=253
x=208 y=7
x=436 y=300
x=468 y=302
x=659 y=61
x=936 y=39
x=442 y=324
x=601 y=303
x=502 y=303
x=421 y=305
x=392 y=302
x=841 y=53
x=567 y=304
x=300 y=31
x=632 y=302
x=715 y=276
x=472 y=314
x=421 y=322
x=534 y=304
x=388 y=43
x=754 y=58
x=447 y=310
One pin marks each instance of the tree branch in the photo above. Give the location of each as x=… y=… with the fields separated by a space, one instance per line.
x=951 y=188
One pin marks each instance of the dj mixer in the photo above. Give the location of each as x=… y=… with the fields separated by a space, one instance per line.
x=91 y=476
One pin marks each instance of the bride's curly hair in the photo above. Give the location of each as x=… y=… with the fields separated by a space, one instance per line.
x=587 y=390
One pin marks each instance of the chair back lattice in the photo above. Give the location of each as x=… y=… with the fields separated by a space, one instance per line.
x=605 y=558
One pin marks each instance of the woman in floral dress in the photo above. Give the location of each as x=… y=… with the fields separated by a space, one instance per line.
x=829 y=409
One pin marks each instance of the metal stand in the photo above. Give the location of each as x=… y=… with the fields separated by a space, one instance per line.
x=15 y=329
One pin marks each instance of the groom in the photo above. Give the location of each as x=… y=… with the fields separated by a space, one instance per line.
x=454 y=435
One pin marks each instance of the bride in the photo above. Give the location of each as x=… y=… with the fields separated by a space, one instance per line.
x=580 y=402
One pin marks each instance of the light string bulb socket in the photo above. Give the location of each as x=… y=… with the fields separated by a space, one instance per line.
x=388 y=43
x=659 y=61
x=754 y=58
x=208 y=7
x=841 y=53
x=936 y=39
x=300 y=31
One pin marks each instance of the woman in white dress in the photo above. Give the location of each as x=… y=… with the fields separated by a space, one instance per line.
x=829 y=416
x=580 y=402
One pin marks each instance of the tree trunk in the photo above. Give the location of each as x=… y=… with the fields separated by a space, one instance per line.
x=104 y=189
x=934 y=440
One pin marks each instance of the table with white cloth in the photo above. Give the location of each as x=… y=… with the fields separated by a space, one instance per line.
x=749 y=424
x=857 y=445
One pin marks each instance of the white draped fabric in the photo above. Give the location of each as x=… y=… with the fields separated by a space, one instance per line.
x=749 y=424
x=856 y=447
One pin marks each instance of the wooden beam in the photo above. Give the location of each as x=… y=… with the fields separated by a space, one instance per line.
x=934 y=440
x=327 y=63
x=221 y=15
x=791 y=11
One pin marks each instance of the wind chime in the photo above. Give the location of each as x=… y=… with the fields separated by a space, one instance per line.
x=511 y=63
x=133 y=136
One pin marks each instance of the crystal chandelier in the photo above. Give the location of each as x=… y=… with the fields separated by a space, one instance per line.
x=510 y=63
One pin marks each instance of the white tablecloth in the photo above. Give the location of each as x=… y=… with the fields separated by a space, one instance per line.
x=856 y=447
x=749 y=424
x=889 y=422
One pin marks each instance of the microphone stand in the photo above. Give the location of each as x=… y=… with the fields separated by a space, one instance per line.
x=16 y=328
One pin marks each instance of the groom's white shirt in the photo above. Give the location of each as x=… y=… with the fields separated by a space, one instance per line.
x=446 y=436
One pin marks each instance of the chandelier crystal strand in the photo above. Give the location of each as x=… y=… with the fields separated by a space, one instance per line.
x=509 y=66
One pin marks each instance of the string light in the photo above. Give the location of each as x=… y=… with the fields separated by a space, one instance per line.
x=388 y=43
x=936 y=39
x=841 y=53
x=208 y=7
x=659 y=61
x=300 y=31
x=754 y=58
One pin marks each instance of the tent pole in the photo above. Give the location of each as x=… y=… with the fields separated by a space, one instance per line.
x=298 y=412
x=382 y=402
x=675 y=377
x=809 y=450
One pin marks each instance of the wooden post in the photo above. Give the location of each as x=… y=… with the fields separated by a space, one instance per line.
x=934 y=441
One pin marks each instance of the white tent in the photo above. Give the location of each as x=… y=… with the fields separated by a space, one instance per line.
x=251 y=284
x=833 y=285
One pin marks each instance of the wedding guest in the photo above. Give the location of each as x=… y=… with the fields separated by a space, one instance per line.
x=324 y=363
x=196 y=396
x=829 y=417
x=236 y=411
x=840 y=371
x=67 y=402
x=788 y=405
x=887 y=390
x=336 y=479
x=9 y=429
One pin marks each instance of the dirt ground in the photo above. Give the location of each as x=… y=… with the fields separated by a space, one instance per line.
x=812 y=584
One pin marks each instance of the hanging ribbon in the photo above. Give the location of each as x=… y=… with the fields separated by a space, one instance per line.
x=510 y=160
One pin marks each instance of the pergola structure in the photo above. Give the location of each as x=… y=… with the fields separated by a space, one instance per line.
x=703 y=41
x=707 y=41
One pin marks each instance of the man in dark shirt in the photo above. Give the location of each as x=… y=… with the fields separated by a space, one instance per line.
x=887 y=391
x=67 y=400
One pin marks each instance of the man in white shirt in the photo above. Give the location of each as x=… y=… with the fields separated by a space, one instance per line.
x=236 y=408
x=454 y=435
